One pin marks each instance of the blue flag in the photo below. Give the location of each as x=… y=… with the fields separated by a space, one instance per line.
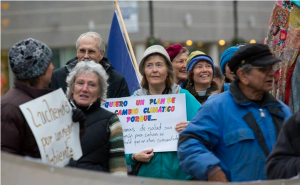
x=119 y=56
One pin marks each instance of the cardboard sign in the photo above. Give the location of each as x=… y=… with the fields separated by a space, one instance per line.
x=149 y=121
x=49 y=118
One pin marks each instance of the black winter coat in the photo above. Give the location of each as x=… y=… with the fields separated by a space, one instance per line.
x=117 y=86
x=284 y=160
x=95 y=141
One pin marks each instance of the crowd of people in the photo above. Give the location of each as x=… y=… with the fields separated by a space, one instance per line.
x=235 y=129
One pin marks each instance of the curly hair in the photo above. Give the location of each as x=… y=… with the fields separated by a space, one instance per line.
x=88 y=67
x=213 y=88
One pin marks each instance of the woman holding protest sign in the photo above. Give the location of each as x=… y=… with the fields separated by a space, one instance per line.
x=31 y=63
x=102 y=143
x=158 y=78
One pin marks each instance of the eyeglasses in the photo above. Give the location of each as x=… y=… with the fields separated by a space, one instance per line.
x=275 y=67
x=88 y=52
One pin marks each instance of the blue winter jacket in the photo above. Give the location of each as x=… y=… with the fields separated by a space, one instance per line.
x=219 y=134
x=165 y=164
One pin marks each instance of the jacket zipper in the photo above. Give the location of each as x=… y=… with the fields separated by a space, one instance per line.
x=262 y=114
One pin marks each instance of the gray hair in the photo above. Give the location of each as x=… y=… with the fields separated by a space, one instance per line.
x=246 y=67
x=97 y=36
x=88 y=67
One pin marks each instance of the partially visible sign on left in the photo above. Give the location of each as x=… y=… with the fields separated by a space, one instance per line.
x=57 y=137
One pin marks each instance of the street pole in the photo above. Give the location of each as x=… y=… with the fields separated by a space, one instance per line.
x=235 y=18
x=151 y=19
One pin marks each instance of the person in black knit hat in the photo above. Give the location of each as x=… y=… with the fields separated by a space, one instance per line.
x=31 y=63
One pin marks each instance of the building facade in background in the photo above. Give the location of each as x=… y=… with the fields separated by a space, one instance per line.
x=198 y=25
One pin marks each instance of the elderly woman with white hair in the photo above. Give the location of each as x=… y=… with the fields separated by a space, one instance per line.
x=102 y=144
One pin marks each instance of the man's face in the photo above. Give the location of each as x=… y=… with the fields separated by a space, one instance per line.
x=88 y=50
x=45 y=79
x=261 y=78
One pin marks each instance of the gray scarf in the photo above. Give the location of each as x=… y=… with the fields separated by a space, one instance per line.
x=175 y=89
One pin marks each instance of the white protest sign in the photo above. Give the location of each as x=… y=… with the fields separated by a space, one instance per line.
x=49 y=118
x=149 y=121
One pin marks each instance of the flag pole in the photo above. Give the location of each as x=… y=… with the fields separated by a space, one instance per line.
x=127 y=39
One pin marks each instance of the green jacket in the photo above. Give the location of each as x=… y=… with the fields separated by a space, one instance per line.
x=165 y=164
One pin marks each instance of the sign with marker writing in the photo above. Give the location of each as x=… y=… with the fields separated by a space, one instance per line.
x=149 y=121
x=49 y=118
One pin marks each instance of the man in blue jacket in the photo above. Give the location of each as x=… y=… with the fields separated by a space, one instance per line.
x=232 y=134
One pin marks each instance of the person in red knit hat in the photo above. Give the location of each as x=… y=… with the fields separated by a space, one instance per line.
x=178 y=55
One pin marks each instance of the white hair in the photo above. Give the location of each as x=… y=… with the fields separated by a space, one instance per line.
x=88 y=67
x=97 y=36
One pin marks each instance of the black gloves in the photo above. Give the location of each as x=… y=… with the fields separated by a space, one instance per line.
x=78 y=116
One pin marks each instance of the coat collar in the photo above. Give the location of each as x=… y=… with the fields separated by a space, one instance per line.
x=174 y=89
x=95 y=105
x=104 y=62
x=241 y=98
x=31 y=91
